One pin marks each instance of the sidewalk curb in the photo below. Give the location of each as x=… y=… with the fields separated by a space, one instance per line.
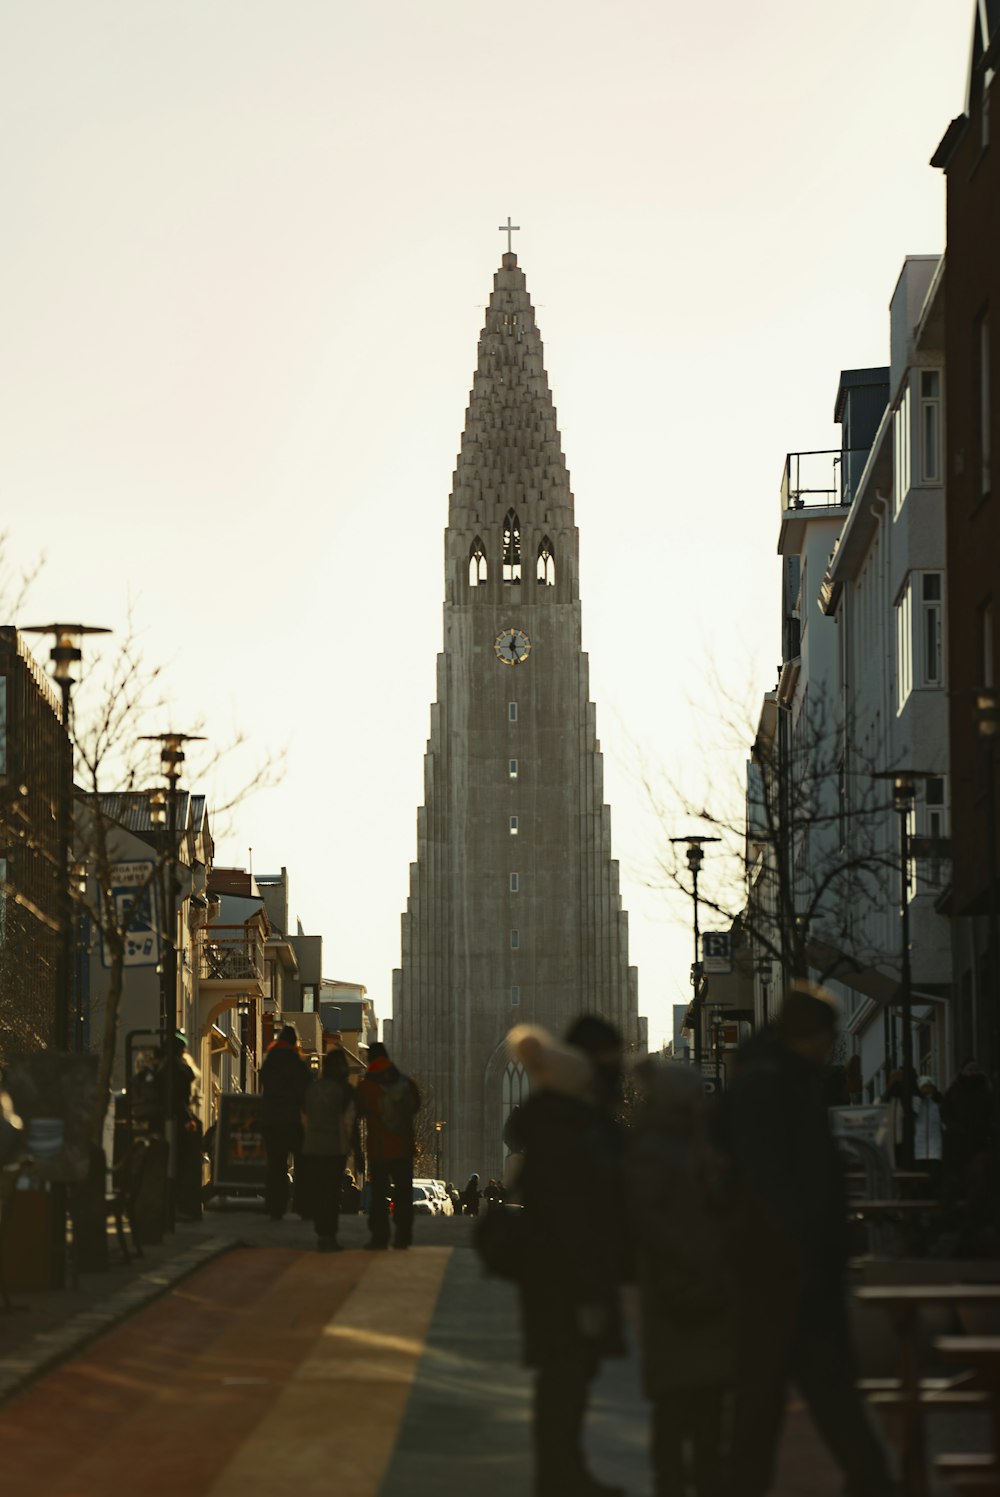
x=48 y=1348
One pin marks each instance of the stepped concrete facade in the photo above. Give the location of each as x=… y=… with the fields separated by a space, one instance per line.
x=514 y=912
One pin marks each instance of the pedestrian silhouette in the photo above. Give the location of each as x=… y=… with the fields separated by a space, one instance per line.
x=681 y=1211
x=284 y=1077
x=572 y=1192
x=389 y=1102
x=793 y=1324
x=330 y=1136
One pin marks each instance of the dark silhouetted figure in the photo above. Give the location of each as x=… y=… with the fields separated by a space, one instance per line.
x=681 y=1211
x=388 y=1101
x=573 y=1194
x=471 y=1196
x=793 y=1324
x=969 y=1164
x=330 y=1136
x=284 y=1077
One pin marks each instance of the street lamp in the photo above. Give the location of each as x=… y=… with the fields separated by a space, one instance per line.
x=437 y=1148
x=988 y=728
x=65 y=654
x=171 y=759
x=695 y=857
x=904 y=794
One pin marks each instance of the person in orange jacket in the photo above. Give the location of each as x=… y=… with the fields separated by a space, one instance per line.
x=389 y=1102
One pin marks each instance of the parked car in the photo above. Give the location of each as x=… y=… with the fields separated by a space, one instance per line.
x=425 y=1202
x=430 y=1186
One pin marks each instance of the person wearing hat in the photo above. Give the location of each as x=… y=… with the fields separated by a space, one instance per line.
x=793 y=1324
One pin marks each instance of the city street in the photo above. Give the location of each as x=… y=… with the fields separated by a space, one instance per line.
x=274 y=1367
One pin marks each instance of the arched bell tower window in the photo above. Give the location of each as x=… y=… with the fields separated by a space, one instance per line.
x=511 y=547
x=545 y=570
x=514 y=1092
x=477 y=563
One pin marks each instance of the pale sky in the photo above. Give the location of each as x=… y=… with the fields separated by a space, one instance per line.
x=246 y=250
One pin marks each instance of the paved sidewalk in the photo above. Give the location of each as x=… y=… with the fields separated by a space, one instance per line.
x=389 y=1375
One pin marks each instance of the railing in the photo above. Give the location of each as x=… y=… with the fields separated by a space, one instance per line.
x=230 y=953
x=821 y=480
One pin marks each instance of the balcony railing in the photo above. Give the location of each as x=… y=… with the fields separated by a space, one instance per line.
x=821 y=480
x=231 y=953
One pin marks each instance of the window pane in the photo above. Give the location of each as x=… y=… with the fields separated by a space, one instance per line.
x=930 y=384
x=513 y=826
x=512 y=712
x=515 y=939
x=515 y=995
x=932 y=586
x=512 y=769
x=514 y=882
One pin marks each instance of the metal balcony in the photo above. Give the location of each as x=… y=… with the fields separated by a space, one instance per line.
x=821 y=480
x=231 y=957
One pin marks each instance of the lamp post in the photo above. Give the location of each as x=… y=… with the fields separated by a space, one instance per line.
x=988 y=727
x=695 y=856
x=65 y=654
x=437 y=1148
x=904 y=794
x=171 y=759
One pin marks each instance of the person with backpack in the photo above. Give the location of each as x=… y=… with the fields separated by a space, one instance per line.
x=388 y=1102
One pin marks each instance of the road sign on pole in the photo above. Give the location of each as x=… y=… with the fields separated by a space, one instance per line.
x=716 y=952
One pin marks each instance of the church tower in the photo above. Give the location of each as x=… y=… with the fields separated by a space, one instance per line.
x=514 y=912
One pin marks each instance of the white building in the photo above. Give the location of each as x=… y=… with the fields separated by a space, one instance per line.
x=884 y=591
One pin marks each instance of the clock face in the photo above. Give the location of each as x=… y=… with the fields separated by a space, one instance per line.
x=512 y=646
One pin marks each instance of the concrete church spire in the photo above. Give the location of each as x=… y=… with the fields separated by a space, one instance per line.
x=514 y=912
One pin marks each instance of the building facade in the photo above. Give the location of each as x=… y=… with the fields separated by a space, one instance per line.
x=514 y=912
x=969 y=154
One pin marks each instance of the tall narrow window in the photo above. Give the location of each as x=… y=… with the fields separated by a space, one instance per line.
x=930 y=628
x=477 y=563
x=515 y=994
x=515 y=939
x=513 y=826
x=511 y=548
x=545 y=570
x=983 y=413
x=936 y=828
x=515 y=883
x=904 y=646
x=512 y=768
x=514 y=1089
x=512 y=712
x=901 y=449
x=930 y=425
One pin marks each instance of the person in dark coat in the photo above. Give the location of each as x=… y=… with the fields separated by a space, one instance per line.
x=389 y=1102
x=331 y=1127
x=793 y=1324
x=572 y=1192
x=969 y=1143
x=681 y=1212
x=471 y=1196
x=284 y=1077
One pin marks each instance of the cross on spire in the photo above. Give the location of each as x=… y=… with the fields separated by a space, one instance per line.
x=508 y=228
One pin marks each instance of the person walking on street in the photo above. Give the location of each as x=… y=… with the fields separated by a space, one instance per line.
x=330 y=1136
x=389 y=1102
x=284 y=1077
x=970 y=1141
x=681 y=1211
x=572 y=1192
x=471 y=1196
x=793 y=1323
